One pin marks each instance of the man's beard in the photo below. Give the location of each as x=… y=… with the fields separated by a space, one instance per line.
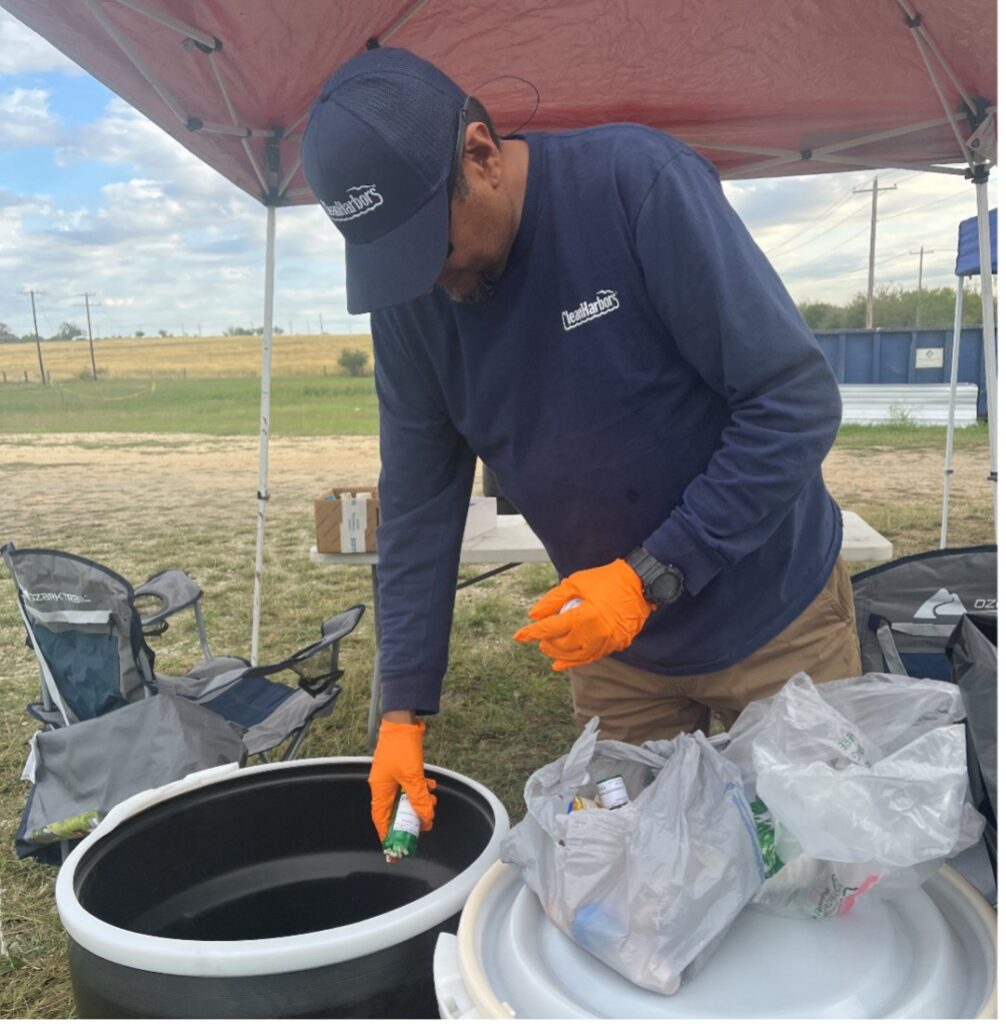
x=485 y=289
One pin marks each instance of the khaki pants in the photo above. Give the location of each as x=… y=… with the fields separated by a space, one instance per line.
x=635 y=705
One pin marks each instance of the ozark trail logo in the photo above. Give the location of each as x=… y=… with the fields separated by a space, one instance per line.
x=941 y=603
x=360 y=199
x=606 y=301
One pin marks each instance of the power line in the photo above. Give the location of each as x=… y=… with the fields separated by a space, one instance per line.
x=834 y=248
x=834 y=206
x=838 y=223
x=924 y=206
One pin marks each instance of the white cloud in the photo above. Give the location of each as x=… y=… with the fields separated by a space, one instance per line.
x=123 y=136
x=23 y=51
x=171 y=244
x=25 y=119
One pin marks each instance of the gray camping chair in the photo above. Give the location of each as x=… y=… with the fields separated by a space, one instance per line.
x=83 y=626
x=88 y=638
x=906 y=610
x=912 y=616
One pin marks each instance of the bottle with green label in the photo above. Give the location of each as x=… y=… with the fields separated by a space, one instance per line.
x=402 y=839
x=766 y=826
x=75 y=827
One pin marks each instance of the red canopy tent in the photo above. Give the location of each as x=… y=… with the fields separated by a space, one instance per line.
x=761 y=89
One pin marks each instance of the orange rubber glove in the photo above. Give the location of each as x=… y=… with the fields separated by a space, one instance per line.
x=398 y=764
x=612 y=610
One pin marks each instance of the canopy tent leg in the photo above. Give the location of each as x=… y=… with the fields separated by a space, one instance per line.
x=988 y=328
x=948 y=465
x=263 y=448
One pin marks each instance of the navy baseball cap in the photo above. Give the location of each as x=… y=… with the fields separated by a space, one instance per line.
x=377 y=153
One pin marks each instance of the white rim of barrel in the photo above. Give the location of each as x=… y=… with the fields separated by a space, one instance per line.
x=280 y=955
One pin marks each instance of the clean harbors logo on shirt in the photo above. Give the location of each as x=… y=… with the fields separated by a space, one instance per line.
x=606 y=301
x=360 y=200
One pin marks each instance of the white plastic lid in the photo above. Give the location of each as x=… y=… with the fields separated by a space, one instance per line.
x=928 y=953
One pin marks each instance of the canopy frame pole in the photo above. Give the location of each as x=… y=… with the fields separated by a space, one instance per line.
x=102 y=19
x=402 y=20
x=289 y=174
x=948 y=462
x=263 y=449
x=825 y=154
x=914 y=20
x=234 y=118
x=923 y=41
x=988 y=329
x=173 y=23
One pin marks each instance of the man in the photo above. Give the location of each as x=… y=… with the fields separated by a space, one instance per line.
x=585 y=312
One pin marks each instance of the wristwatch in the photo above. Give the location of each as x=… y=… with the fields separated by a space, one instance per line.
x=662 y=584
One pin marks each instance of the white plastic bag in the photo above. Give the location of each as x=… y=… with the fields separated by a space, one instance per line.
x=651 y=887
x=858 y=785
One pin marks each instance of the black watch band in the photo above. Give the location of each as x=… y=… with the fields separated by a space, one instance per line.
x=662 y=584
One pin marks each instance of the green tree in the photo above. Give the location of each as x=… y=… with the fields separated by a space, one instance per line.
x=820 y=316
x=139 y=334
x=67 y=332
x=895 y=306
x=353 y=361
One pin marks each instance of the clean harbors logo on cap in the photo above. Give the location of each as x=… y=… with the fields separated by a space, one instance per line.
x=606 y=301
x=360 y=200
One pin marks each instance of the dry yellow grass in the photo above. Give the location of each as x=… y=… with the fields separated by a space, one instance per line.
x=292 y=355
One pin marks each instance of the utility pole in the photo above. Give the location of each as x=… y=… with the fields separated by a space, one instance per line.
x=34 y=319
x=918 y=295
x=873 y=244
x=321 y=324
x=90 y=336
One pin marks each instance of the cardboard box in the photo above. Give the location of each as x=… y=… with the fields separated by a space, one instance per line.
x=481 y=517
x=346 y=520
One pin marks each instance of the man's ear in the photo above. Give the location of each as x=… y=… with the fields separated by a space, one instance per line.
x=483 y=152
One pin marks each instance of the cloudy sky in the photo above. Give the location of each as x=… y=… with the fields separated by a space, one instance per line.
x=95 y=198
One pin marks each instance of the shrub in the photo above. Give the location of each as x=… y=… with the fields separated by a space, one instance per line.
x=354 y=361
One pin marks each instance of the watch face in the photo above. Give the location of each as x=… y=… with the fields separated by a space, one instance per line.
x=666 y=587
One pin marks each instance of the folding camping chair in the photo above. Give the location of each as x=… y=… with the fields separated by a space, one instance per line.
x=88 y=638
x=112 y=726
x=917 y=616
x=906 y=610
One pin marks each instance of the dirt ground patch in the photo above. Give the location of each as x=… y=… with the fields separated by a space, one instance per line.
x=136 y=481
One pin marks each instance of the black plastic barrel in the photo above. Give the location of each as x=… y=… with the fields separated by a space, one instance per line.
x=263 y=895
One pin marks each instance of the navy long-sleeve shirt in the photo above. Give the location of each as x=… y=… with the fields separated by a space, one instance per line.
x=639 y=376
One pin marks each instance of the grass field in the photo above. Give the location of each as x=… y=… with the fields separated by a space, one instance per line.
x=504 y=712
x=315 y=406
x=117 y=358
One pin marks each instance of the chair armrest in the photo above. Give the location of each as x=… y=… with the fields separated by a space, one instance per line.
x=174 y=589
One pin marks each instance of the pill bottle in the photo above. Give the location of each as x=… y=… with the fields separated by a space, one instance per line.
x=402 y=839
x=612 y=792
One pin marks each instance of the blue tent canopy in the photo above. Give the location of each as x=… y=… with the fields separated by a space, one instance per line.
x=967 y=246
